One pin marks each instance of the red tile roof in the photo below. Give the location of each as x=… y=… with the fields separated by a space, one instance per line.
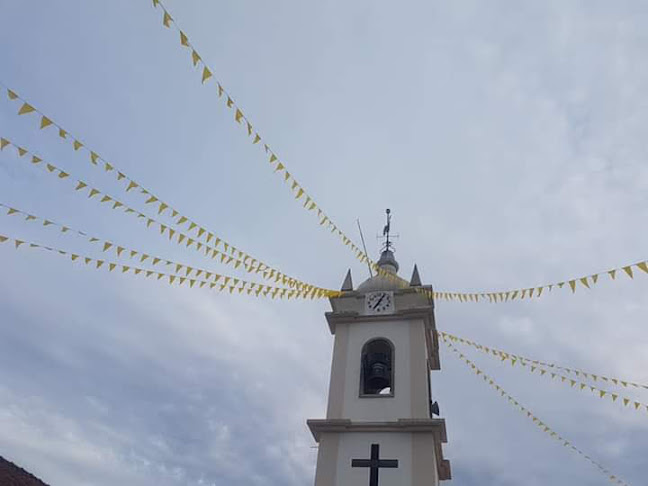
x=12 y=475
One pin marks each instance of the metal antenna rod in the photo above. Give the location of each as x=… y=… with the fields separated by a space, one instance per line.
x=364 y=246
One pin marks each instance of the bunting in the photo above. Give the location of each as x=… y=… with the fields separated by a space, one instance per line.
x=515 y=358
x=195 y=231
x=228 y=255
x=228 y=284
x=572 y=383
x=239 y=118
x=613 y=478
x=184 y=270
x=587 y=282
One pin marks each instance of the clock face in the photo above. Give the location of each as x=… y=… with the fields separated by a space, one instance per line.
x=379 y=302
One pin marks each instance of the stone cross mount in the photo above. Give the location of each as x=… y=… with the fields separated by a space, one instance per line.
x=374 y=464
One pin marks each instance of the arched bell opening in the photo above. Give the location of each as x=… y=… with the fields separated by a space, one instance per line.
x=377 y=369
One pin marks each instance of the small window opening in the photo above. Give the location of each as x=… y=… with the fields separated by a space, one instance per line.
x=376 y=377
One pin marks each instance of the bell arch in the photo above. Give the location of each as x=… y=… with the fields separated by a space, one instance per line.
x=377 y=368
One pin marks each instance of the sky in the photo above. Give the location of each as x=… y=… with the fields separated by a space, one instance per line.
x=509 y=140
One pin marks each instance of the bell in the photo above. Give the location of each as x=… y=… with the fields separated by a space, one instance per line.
x=378 y=371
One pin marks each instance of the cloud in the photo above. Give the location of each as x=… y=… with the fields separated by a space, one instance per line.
x=508 y=140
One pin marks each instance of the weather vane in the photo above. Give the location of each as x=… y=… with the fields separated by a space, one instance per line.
x=388 y=245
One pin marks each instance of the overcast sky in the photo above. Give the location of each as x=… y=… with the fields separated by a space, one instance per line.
x=509 y=138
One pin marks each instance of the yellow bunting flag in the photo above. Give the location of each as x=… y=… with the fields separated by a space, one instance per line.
x=206 y=74
x=45 y=122
x=195 y=58
x=183 y=39
x=25 y=108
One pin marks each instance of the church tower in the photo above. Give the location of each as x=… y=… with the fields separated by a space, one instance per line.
x=380 y=428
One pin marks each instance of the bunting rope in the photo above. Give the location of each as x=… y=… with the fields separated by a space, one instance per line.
x=536 y=292
x=599 y=392
x=504 y=355
x=242 y=286
x=241 y=119
x=298 y=190
x=250 y=265
x=129 y=184
x=122 y=251
x=96 y=160
x=539 y=423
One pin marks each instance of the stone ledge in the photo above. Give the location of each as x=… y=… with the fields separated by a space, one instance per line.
x=435 y=426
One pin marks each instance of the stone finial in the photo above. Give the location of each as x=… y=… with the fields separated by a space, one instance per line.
x=415 y=281
x=347 y=285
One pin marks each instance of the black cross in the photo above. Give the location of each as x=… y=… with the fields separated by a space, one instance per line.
x=375 y=463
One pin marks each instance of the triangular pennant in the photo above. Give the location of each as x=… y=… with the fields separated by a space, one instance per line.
x=206 y=74
x=183 y=39
x=26 y=108
x=195 y=57
x=45 y=122
x=167 y=19
x=643 y=266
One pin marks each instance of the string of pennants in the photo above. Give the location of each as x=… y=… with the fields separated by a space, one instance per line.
x=250 y=288
x=539 y=423
x=536 y=292
x=183 y=270
x=529 y=293
x=515 y=358
x=571 y=382
x=201 y=236
x=297 y=189
x=240 y=119
x=227 y=256
x=238 y=258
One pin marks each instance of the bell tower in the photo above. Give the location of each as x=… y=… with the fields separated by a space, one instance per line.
x=380 y=428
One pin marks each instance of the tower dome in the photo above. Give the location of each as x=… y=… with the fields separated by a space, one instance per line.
x=389 y=265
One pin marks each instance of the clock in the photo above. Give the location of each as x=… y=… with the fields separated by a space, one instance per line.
x=379 y=302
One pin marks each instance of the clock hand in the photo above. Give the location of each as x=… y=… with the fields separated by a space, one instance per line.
x=379 y=301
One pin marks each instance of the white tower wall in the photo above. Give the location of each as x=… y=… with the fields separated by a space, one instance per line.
x=397 y=426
